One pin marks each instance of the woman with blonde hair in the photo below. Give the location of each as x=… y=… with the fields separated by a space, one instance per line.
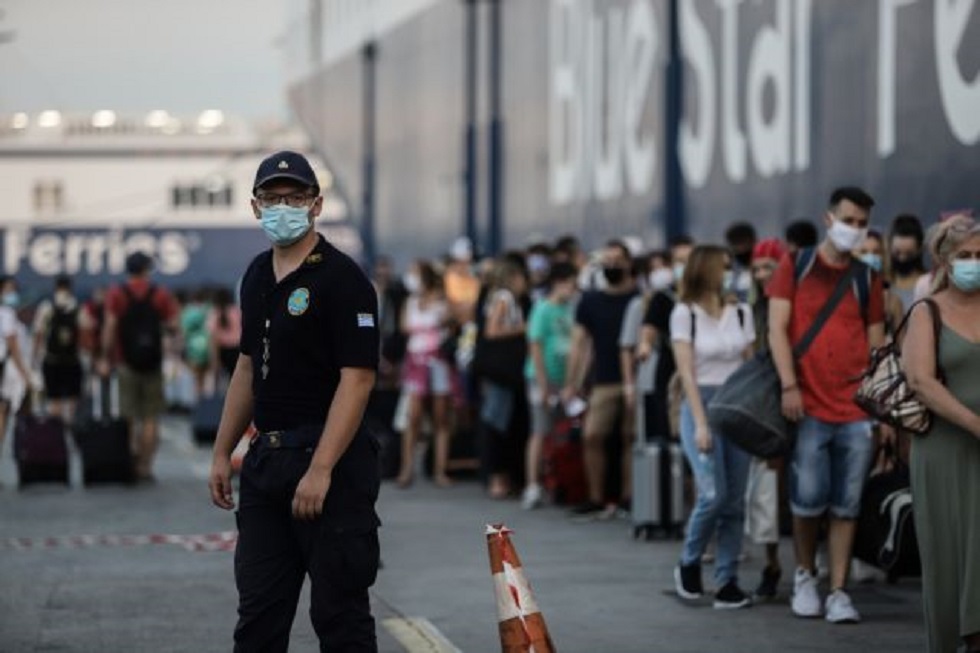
x=504 y=413
x=945 y=462
x=711 y=338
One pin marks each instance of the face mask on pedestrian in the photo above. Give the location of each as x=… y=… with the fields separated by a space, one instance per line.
x=284 y=225
x=903 y=266
x=845 y=237
x=678 y=271
x=412 y=282
x=744 y=259
x=966 y=275
x=11 y=298
x=614 y=276
x=661 y=278
x=873 y=261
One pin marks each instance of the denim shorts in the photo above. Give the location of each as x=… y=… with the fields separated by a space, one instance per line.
x=829 y=466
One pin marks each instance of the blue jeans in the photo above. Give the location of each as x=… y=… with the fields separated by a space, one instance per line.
x=720 y=476
x=830 y=463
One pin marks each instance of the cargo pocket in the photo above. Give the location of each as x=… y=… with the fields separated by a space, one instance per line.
x=348 y=559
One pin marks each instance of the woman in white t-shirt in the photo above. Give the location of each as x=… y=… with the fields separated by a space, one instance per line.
x=711 y=338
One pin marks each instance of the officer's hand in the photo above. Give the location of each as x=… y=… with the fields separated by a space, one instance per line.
x=220 y=483
x=310 y=494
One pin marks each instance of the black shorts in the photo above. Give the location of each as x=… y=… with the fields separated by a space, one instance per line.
x=62 y=380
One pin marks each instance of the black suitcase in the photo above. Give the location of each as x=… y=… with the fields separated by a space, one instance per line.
x=205 y=419
x=885 y=536
x=40 y=449
x=103 y=438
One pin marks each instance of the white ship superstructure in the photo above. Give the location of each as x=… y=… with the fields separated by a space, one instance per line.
x=83 y=190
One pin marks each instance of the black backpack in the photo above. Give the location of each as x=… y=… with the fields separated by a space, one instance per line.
x=62 y=343
x=141 y=332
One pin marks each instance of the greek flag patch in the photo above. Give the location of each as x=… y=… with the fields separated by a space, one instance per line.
x=365 y=320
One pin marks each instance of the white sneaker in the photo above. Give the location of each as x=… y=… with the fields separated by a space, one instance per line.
x=840 y=610
x=531 y=498
x=862 y=572
x=806 y=600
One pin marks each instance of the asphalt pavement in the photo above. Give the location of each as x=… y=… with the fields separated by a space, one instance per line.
x=155 y=574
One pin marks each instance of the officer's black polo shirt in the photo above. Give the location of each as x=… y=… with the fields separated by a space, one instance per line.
x=300 y=332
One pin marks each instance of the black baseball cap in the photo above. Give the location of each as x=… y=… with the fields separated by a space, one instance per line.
x=286 y=165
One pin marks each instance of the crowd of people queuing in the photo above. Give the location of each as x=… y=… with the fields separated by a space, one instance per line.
x=629 y=334
x=144 y=348
x=638 y=342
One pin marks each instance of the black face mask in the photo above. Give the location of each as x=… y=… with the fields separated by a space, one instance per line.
x=906 y=266
x=744 y=259
x=614 y=276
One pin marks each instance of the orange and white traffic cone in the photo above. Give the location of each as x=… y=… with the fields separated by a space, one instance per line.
x=522 y=627
x=238 y=454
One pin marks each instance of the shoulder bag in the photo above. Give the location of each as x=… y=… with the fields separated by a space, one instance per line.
x=884 y=393
x=748 y=407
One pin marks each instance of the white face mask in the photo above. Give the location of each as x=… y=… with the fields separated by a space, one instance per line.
x=661 y=278
x=412 y=282
x=845 y=237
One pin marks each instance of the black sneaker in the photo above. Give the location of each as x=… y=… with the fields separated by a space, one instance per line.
x=769 y=583
x=731 y=597
x=687 y=581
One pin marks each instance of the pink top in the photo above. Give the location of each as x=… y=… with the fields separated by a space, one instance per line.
x=228 y=336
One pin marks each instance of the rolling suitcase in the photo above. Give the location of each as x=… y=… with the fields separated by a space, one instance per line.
x=103 y=438
x=205 y=419
x=563 y=473
x=40 y=450
x=658 y=489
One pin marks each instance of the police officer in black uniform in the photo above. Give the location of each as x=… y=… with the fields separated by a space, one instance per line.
x=309 y=351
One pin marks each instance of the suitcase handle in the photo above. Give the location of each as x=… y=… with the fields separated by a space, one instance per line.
x=105 y=397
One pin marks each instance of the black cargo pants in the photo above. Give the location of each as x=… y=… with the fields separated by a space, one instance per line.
x=339 y=550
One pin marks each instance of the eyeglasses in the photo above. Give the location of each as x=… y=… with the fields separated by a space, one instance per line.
x=295 y=200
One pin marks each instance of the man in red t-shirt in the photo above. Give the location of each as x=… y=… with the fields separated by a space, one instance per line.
x=834 y=446
x=132 y=339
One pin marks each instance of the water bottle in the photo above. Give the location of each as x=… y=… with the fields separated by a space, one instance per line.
x=706 y=479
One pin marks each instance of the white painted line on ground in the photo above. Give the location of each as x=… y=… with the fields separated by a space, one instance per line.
x=418 y=635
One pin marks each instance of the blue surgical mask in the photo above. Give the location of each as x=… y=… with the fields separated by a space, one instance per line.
x=11 y=299
x=873 y=261
x=284 y=225
x=678 y=272
x=966 y=275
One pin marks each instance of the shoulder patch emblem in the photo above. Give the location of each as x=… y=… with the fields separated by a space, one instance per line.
x=299 y=301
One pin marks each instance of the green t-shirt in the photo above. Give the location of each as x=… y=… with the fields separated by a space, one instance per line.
x=550 y=325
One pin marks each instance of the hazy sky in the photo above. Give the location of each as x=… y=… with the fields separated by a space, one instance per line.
x=137 y=55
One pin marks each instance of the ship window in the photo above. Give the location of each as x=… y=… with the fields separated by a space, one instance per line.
x=201 y=195
x=48 y=196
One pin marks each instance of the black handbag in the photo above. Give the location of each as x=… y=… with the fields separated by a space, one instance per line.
x=748 y=409
x=885 y=536
x=500 y=360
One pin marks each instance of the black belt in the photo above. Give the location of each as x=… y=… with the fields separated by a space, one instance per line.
x=298 y=438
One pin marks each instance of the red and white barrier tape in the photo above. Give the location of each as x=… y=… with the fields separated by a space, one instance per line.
x=222 y=541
